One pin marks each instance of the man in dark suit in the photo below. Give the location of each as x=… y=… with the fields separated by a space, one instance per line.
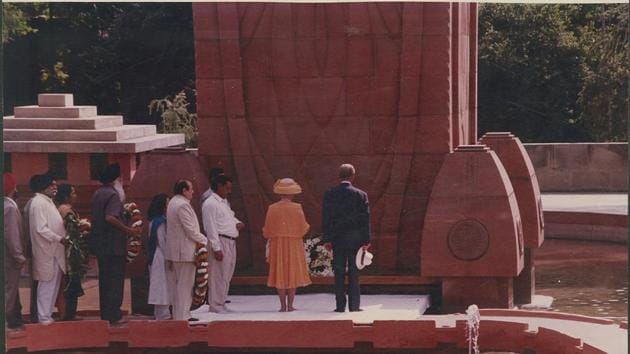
x=346 y=226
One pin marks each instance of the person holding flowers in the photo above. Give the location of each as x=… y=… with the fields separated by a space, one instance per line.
x=109 y=241
x=48 y=237
x=76 y=248
x=285 y=225
x=182 y=236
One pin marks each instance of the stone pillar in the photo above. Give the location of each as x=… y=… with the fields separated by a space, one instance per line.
x=472 y=234
x=520 y=170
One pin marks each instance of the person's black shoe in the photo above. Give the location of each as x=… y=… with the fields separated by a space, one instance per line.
x=192 y=319
x=120 y=322
x=340 y=310
x=15 y=325
x=356 y=310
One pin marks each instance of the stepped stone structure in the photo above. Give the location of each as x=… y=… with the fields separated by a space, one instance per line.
x=74 y=143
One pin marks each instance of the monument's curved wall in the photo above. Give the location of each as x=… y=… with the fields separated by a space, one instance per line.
x=294 y=90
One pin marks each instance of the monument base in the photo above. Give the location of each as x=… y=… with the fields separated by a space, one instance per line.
x=460 y=292
x=524 y=284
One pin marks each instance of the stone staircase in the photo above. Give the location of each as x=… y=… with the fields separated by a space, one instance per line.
x=57 y=125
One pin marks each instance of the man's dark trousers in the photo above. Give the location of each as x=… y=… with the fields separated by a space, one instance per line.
x=343 y=256
x=111 y=283
x=72 y=292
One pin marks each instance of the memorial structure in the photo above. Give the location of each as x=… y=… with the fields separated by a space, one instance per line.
x=74 y=143
x=294 y=90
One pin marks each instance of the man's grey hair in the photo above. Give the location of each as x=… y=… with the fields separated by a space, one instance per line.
x=346 y=171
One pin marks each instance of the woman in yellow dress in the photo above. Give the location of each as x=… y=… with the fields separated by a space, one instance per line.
x=285 y=226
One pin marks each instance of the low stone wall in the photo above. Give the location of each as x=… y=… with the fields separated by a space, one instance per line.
x=500 y=334
x=586 y=226
x=580 y=167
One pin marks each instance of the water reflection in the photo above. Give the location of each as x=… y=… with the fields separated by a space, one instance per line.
x=585 y=278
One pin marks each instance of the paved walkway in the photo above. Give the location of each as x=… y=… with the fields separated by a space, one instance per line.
x=610 y=203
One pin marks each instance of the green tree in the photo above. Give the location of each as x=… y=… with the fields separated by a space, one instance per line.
x=117 y=56
x=604 y=92
x=14 y=22
x=554 y=73
x=529 y=67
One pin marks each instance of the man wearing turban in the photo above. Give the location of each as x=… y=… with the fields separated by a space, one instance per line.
x=48 y=235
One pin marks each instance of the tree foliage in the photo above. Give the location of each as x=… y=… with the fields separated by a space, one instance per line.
x=606 y=69
x=554 y=72
x=118 y=56
x=175 y=117
x=15 y=22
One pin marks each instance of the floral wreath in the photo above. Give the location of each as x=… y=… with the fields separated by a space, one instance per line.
x=200 y=288
x=134 y=219
x=318 y=258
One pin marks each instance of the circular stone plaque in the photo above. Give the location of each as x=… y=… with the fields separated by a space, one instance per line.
x=468 y=240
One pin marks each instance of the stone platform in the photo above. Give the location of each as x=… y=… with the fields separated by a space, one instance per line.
x=318 y=307
x=388 y=323
x=56 y=125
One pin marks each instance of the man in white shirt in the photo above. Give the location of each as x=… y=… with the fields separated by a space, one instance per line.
x=48 y=236
x=182 y=236
x=222 y=228
x=215 y=171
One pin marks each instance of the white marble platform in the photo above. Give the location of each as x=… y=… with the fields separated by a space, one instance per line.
x=314 y=307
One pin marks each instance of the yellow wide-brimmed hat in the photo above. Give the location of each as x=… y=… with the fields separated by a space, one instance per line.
x=286 y=186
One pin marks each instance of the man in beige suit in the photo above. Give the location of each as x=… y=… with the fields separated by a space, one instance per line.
x=47 y=238
x=182 y=235
x=14 y=258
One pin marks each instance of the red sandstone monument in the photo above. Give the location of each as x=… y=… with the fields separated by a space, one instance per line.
x=297 y=89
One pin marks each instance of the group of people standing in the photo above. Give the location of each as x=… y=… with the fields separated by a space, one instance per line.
x=174 y=236
x=50 y=234
x=54 y=237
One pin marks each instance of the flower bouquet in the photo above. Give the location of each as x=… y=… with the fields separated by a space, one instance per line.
x=200 y=288
x=76 y=244
x=85 y=227
x=134 y=219
x=318 y=258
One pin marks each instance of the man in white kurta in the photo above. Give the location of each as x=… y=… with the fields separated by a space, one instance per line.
x=222 y=228
x=182 y=235
x=47 y=235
